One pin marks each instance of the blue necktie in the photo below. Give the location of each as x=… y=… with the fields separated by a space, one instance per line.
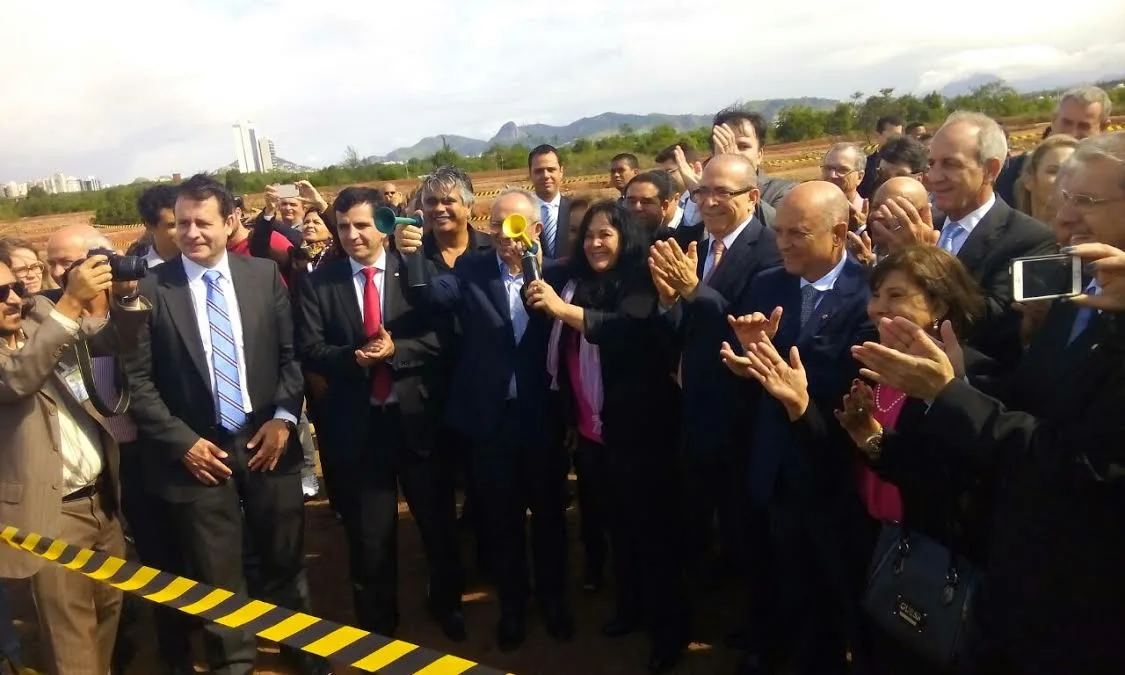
x=809 y=295
x=1083 y=316
x=549 y=230
x=951 y=235
x=224 y=357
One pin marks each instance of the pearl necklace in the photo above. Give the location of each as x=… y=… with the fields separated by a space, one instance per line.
x=888 y=408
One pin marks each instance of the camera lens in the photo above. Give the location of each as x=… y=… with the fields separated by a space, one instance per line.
x=128 y=267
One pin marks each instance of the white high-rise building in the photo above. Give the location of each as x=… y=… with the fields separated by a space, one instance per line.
x=266 y=153
x=246 y=150
x=12 y=189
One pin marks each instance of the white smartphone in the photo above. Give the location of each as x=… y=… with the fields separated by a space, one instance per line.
x=287 y=191
x=1044 y=277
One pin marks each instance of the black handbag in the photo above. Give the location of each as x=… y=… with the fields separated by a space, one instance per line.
x=921 y=594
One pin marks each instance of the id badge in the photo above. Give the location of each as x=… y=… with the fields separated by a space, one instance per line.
x=73 y=379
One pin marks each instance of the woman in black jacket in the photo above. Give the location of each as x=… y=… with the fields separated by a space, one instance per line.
x=612 y=360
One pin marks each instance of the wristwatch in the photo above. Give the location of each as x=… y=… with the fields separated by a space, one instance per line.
x=127 y=299
x=873 y=446
x=291 y=426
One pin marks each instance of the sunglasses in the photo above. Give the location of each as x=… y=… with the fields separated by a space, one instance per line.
x=16 y=287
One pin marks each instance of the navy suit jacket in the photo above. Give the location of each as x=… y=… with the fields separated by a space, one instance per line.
x=489 y=354
x=714 y=398
x=784 y=465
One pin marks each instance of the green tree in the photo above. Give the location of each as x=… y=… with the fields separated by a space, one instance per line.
x=799 y=123
x=352 y=160
x=35 y=191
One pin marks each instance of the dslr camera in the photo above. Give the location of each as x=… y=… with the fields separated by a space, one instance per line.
x=122 y=267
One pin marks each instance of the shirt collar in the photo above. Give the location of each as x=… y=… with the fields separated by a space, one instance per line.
x=554 y=203
x=729 y=239
x=153 y=258
x=675 y=221
x=194 y=270
x=828 y=281
x=973 y=219
x=380 y=263
x=504 y=273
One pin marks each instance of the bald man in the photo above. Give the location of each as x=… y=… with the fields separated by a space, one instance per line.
x=70 y=244
x=880 y=222
x=145 y=514
x=732 y=245
x=500 y=400
x=801 y=467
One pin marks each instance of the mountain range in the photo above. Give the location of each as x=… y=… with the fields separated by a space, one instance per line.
x=587 y=127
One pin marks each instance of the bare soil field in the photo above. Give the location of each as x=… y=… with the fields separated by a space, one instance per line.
x=716 y=613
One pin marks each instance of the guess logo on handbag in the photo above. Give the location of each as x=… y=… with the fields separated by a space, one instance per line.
x=909 y=614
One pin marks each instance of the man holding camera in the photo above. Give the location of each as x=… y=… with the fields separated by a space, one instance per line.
x=58 y=470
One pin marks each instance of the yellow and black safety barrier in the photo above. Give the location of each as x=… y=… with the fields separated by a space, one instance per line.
x=336 y=642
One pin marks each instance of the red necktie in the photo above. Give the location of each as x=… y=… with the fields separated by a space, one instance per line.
x=372 y=320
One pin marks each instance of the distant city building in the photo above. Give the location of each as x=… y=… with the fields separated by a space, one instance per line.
x=91 y=184
x=252 y=154
x=266 y=154
x=176 y=178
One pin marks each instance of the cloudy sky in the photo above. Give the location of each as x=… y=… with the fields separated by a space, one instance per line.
x=129 y=88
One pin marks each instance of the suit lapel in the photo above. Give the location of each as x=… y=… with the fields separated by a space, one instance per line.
x=845 y=287
x=984 y=236
x=244 y=284
x=343 y=286
x=182 y=310
x=392 y=292
x=734 y=260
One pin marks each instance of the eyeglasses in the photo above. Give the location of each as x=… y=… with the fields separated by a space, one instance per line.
x=720 y=194
x=839 y=171
x=32 y=270
x=1085 y=201
x=16 y=287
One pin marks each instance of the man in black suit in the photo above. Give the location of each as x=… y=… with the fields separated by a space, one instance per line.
x=888 y=127
x=237 y=459
x=379 y=356
x=545 y=170
x=802 y=468
x=705 y=271
x=984 y=233
x=500 y=399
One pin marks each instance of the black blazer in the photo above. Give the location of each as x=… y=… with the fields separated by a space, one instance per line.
x=715 y=400
x=562 y=234
x=168 y=374
x=490 y=356
x=1048 y=374
x=783 y=457
x=1054 y=601
x=638 y=354
x=948 y=501
x=866 y=187
x=1003 y=234
x=330 y=329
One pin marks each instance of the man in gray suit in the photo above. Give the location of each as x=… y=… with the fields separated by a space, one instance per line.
x=739 y=132
x=58 y=469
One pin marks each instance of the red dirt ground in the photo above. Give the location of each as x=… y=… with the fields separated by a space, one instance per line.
x=716 y=612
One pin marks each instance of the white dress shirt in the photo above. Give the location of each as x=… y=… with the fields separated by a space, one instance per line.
x=80 y=437
x=728 y=241
x=153 y=258
x=676 y=219
x=513 y=286
x=968 y=224
x=553 y=206
x=826 y=282
x=359 y=280
x=198 y=288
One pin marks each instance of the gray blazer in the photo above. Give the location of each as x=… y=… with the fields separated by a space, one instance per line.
x=30 y=464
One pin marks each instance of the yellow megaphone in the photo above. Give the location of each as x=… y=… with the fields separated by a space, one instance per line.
x=515 y=227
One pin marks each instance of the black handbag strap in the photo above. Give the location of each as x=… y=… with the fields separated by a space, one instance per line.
x=86 y=368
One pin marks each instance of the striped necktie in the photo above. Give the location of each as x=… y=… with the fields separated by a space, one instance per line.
x=121 y=427
x=224 y=357
x=550 y=229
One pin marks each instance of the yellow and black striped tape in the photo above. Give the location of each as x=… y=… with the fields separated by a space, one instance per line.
x=336 y=642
